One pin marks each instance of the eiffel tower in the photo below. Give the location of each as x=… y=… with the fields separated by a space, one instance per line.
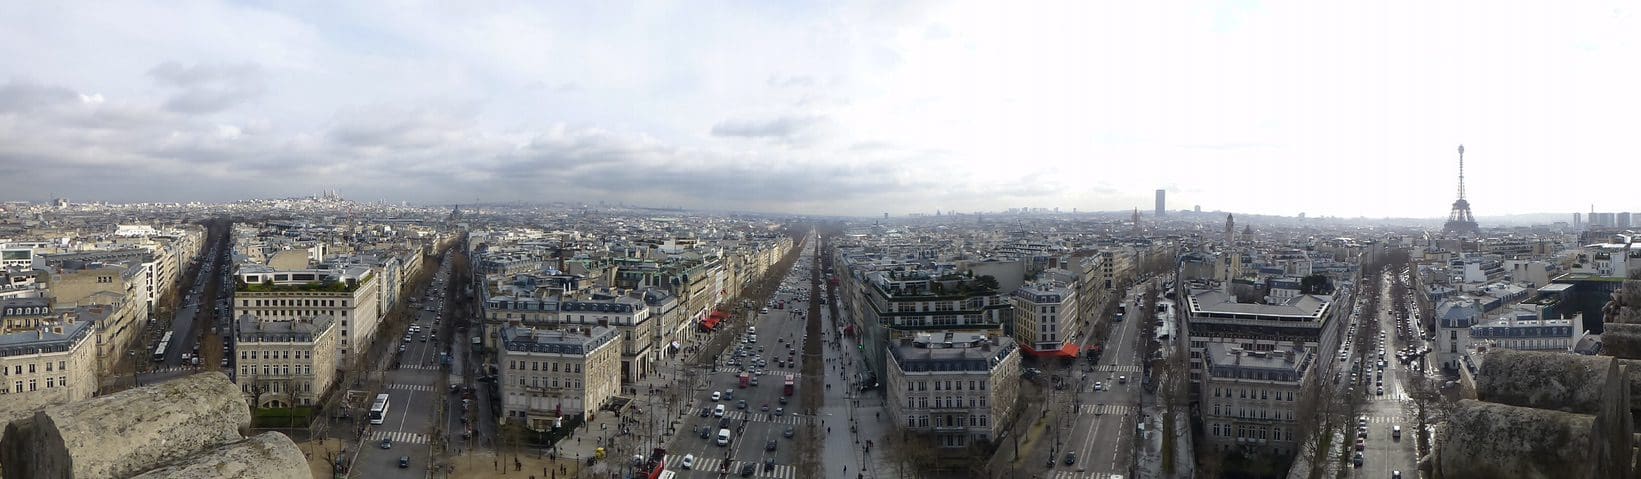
x=1460 y=222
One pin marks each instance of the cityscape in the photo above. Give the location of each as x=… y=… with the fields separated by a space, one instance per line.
x=814 y=240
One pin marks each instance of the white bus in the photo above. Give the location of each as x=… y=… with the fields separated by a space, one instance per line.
x=159 y=351
x=378 y=410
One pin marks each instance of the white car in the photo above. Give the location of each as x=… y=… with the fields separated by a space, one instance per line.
x=716 y=396
x=689 y=462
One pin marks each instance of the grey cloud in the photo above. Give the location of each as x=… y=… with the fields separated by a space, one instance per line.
x=791 y=81
x=19 y=96
x=785 y=127
x=208 y=88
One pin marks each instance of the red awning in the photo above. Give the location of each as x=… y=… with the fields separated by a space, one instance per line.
x=710 y=323
x=1069 y=351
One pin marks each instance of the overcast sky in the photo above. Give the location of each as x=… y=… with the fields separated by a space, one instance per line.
x=829 y=107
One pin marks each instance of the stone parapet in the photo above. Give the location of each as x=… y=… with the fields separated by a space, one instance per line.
x=267 y=456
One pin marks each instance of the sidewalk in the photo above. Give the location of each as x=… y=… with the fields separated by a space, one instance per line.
x=845 y=407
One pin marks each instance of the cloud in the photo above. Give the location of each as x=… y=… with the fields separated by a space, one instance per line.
x=209 y=87
x=19 y=96
x=783 y=127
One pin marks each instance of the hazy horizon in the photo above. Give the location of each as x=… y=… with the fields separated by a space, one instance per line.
x=825 y=108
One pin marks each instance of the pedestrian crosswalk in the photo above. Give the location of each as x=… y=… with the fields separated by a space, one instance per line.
x=1082 y=475
x=716 y=465
x=1384 y=420
x=1111 y=368
x=410 y=387
x=782 y=373
x=1106 y=409
x=423 y=367
x=399 y=437
x=789 y=418
x=170 y=369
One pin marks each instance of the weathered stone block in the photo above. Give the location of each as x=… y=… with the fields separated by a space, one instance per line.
x=1622 y=340
x=1556 y=381
x=267 y=456
x=127 y=432
x=1487 y=440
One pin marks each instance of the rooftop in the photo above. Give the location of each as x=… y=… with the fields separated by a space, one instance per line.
x=948 y=351
x=557 y=341
x=253 y=329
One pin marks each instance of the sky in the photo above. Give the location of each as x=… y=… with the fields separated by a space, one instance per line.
x=833 y=107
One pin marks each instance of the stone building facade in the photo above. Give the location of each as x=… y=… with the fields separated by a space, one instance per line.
x=285 y=363
x=958 y=388
x=546 y=374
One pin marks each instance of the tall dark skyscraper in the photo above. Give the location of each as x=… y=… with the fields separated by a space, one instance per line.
x=1162 y=202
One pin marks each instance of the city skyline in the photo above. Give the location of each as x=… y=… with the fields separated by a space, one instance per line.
x=819 y=108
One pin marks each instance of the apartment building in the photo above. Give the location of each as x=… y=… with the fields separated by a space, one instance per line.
x=547 y=374
x=286 y=362
x=53 y=362
x=629 y=316
x=1212 y=316
x=347 y=295
x=885 y=302
x=1045 y=319
x=955 y=387
x=1250 y=397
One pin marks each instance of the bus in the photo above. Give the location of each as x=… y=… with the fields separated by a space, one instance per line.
x=378 y=409
x=159 y=351
x=789 y=385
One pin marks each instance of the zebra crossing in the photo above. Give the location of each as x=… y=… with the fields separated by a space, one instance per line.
x=423 y=367
x=410 y=387
x=715 y=465
x=1111 y=368
x=781 y=373
x=399 y=437
x=1384 y=420
x=792 y=419
x=1106 y=409
x=170 y=369
x=1083 y=475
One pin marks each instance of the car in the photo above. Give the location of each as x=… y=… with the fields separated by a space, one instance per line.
x=1099 y=386
x=729 y=394
x=706 y=411
x=766 y=407
x=769 y=446
x=1396 y=433
x=754 y=381
x=789 y=431
x=780 y=411
x=718 y=411
x=1122 y=379
x=717 y=396
x=688 y=462
x=783 y=400
x=741 y=404
x=1361 y=444
x=706 y=433
x=1356 y=459
x=1381 y=390
x=723 y=423
x=1071 y=458
x=404 y=462
x=387 y=443
x=747 y=469
x=1395 y=474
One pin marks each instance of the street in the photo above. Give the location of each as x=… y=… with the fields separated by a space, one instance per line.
x=758 y=414
x=410 y=377
x=1106 y=406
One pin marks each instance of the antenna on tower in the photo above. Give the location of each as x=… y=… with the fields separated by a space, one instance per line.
x=1461 y=172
